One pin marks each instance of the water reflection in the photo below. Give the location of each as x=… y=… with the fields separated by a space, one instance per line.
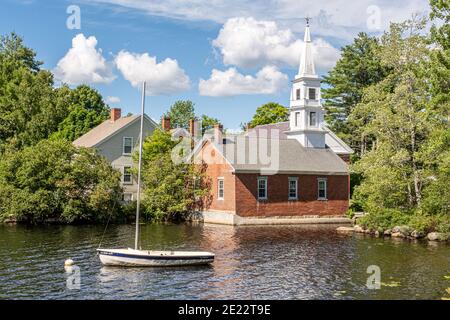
x=252 y=262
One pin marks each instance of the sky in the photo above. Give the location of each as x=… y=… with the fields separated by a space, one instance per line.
x=227 y=56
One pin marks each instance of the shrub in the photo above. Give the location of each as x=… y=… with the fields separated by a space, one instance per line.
x=54 y=180
x=384 y=219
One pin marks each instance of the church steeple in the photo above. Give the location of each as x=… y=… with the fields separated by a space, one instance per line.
x=306 y=113
x=307 y=68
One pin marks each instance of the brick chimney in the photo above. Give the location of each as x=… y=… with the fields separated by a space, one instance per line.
x=218 y=133
x=192 y=127
x=165 y=123
x=116 y=113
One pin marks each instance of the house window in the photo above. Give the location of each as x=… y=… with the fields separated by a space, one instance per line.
x=262 y=188
x=127 y=145
x=220 y=189
x=127 y=176
x=312 y=119
x=312 y=94
x=127 y=197
x=297 y=94
x=322 y=189
x=293 y=188
x=297 y=119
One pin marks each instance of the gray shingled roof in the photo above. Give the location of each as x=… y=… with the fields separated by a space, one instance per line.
x=331 y=140
x=283 y=156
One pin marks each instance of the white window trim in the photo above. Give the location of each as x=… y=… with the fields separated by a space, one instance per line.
x=123 y=146
x=318 y=189
x=298 y=94
x=266 y=188
x=218 y=188
x=131 y=198
x=295 y=179
x=123 y=176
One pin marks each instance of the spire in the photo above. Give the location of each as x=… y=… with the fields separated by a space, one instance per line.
x=307 y=60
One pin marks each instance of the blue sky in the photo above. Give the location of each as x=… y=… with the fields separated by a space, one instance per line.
x=228 y=57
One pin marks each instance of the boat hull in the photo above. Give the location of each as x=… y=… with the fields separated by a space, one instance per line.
x=164 y=259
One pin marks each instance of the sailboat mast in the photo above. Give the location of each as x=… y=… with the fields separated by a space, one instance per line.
x=138 y=197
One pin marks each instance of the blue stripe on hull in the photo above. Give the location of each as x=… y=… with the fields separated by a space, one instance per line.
x=124 y=255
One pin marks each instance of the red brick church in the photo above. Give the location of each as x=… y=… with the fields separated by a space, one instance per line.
x=288 y=172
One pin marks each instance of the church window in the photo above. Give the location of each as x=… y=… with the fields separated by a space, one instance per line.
x=312 y=119
x=297 y=119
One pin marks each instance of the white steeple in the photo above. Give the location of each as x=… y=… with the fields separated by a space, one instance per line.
x=306 y=112
x=307 y=60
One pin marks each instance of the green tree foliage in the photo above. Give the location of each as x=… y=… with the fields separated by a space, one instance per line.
x=53 y=180
x=439 y=66
x=171 y=190
x=31 y=109
x=86 y=111
x=358 y=68
x=180 y=113
x=407 y=168
x=269 y=113
x=208 y=122
x=13 y=50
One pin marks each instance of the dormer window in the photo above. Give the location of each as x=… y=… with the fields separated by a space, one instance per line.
x=312 y=119
x=298 y=94
x=312 y=94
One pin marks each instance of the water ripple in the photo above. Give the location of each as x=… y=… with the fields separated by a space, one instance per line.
x=261 y=262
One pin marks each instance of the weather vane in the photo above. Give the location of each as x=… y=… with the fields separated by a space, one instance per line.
x=307 y=20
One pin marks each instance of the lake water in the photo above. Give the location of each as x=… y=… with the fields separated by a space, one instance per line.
x=252 y=262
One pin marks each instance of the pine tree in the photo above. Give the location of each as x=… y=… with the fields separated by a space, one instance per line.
x=358 y=68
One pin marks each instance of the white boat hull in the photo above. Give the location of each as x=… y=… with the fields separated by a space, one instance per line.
x=139 y=258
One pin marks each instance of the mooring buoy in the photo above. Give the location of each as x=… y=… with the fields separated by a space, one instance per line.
x=68 y=263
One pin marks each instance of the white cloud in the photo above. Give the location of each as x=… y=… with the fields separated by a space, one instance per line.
x=162 y=78
x=230 y=82
x=246 y=42
x=83 y=63
x=338 y=18
x=112 y=99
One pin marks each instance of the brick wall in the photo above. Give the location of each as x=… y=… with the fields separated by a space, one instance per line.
x=278 y=203
x=216 y=167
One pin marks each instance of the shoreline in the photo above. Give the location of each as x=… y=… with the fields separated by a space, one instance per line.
x=398 y=232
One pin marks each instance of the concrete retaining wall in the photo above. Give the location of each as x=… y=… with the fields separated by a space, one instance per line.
x=233 y=219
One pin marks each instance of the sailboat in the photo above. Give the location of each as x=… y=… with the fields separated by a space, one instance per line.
x=129 y=257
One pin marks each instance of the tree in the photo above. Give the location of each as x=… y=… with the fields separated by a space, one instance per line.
x=86 y=110
x=171 y=190
x=358 y=68
x=13 y=49
x=269 y=113
x=439 y=66
x=180 y=113
x=53 y=180
x=408 y=163
x=29 y=110
x=208 y=123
